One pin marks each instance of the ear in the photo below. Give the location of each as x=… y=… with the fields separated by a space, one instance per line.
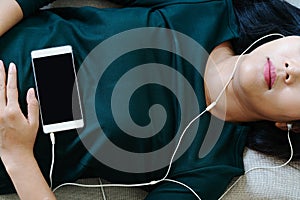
x=281 y=125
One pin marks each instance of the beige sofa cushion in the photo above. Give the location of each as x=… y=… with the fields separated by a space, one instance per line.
x=263 y=184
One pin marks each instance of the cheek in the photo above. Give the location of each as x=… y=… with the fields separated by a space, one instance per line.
x=251 y=89
x=288 y=101
x=280 y=105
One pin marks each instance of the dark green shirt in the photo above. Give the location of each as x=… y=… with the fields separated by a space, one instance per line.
x=129 y=61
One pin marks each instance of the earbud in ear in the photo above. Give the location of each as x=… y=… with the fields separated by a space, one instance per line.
x=289 y=126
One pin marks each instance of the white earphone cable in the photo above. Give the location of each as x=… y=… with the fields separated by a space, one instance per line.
x=267 y=167
x=208 y=108
x=238 y=60
x=102 y=190
x=52 y=138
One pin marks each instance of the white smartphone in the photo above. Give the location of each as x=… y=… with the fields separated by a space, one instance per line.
x=57 y=89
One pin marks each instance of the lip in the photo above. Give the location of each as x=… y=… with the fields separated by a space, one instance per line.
x=269 y=73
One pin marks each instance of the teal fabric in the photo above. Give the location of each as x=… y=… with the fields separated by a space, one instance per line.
x=31 y=6
x=209 y=22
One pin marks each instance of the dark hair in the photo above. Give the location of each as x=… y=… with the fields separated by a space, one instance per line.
x=257 y=18
x=265 y=137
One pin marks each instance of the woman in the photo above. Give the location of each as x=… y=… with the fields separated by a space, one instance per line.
x=213 y=30
x=282 y=18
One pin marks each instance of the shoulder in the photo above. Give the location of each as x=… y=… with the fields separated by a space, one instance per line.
x=222 y=52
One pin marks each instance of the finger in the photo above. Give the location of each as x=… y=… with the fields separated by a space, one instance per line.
x=2 y=86
x=32 y=107
x=11 y=88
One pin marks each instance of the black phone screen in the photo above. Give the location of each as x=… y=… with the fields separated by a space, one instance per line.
x=55 y=80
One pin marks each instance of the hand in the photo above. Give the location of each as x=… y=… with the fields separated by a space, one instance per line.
x=17 y=133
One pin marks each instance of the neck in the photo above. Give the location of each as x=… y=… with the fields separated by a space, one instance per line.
x=230 y=106
x=235 y=108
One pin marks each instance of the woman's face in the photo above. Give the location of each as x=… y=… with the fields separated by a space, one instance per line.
x=268 y=80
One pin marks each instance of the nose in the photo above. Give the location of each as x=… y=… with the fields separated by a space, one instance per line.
x=292 y=71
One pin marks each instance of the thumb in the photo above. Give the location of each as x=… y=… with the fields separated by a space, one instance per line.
x=32 y=107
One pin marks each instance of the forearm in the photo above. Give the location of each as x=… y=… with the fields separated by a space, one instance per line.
x=27 y=178
x=11 y=14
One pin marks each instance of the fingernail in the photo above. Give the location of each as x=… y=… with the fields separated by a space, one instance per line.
x=12 y=67
x=31 y=90
x=1 y=65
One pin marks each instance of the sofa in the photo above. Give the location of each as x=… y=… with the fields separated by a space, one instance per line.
x=280 y=183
